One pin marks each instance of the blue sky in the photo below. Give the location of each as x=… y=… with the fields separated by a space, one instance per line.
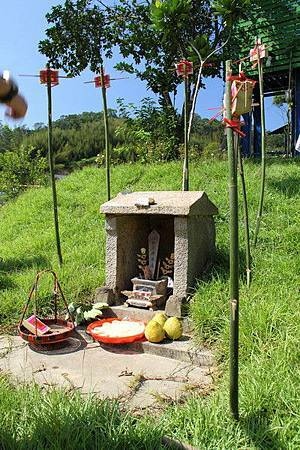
x=23 y=25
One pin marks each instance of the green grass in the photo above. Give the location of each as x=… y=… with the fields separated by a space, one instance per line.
x=269 y=310
x=34 y=420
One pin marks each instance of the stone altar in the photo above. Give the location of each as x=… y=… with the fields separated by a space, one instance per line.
x=184 y=221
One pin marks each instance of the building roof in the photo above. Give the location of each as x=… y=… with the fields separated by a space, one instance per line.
x=280 y=130
x=277 y=24
x=175 y=203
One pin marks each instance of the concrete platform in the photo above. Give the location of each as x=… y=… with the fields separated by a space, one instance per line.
x=138 y=379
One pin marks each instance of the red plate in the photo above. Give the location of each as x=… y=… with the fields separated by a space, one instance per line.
x=116 y=339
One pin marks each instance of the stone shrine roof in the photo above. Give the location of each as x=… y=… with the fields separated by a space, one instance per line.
x=174 y=203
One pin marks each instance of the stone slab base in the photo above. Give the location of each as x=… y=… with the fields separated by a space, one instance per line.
x=137 y=380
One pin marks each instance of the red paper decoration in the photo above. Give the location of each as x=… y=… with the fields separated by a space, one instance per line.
x=184 y=68
x=98 y=83
x=235 y=124
x=259 y=50
x=44 y=73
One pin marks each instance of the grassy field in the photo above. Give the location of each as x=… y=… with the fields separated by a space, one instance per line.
x=32 y=419
x=269 y=310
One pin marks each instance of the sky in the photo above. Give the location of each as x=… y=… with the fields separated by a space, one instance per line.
x=23 y=25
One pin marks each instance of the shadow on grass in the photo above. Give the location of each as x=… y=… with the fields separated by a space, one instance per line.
x=16 y=264
x=221 y=266
x=257 y=426
x=6 y=283
x=10 y=266
x=72 y=433
x=289 y=186
x=218 y=268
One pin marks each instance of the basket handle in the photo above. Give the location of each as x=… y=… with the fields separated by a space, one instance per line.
x=56 y=290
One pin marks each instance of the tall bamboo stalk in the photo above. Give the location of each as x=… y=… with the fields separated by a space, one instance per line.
x=245 y=208
x=106 y=133
x=51 y=168
x=289 y=110
x=234 y=256
x=185 y=176
x=263 y=149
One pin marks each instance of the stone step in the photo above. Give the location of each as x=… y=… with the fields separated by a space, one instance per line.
x=122 y=312
x=184 y=349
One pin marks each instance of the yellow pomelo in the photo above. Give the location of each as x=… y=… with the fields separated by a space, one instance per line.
x=154 y=332
x=160 y=318
x=173 y=328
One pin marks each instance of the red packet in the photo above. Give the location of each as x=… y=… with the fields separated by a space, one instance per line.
x=38 y=328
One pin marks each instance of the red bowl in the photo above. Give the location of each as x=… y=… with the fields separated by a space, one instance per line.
x=116 y=339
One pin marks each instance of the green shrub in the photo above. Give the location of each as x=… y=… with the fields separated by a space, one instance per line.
x=20 y=169
x=213 y=150
x=149 y=133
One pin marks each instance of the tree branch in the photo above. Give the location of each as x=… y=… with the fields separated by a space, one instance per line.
x=197 y=86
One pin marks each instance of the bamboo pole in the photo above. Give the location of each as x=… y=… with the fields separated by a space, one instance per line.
x=234 y=256
x=263 y=148
x=51 y=168
x=185 y=177
x=245 y=208
x=289 y=110
x=106 y=133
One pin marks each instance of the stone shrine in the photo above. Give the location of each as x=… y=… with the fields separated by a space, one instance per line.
x=160 y=235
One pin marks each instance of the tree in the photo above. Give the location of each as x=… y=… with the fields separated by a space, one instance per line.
x=151 y=38
x=75 y=137
x=200 y=47
x=39 y=126
x=154 y=50
x=77 y=37
x=10 y=138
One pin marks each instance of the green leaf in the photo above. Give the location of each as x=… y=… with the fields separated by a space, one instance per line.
x=100 y=305
x=92 y=314
x=71 y=308
x=79 y=318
